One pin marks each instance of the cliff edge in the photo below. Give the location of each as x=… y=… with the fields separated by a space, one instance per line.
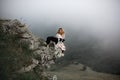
x=23 y=56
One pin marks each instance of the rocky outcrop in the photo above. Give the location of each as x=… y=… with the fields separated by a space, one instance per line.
x=42 y=55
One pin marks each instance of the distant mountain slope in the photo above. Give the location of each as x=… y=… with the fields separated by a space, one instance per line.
x=75 y=72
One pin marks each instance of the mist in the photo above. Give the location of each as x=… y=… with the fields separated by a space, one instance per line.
x=100 y=18
x=81 y=20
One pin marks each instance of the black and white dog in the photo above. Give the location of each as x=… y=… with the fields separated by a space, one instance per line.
x=54 y=39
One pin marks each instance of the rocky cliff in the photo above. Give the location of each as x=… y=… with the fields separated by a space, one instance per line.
x=22 y=54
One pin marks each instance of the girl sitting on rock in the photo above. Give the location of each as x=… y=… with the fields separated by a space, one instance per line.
x=58 y=40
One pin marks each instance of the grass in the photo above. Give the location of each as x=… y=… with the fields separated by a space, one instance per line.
x=13 y=56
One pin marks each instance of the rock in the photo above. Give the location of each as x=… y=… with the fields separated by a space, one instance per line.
x=43 y=56
x=83 y=68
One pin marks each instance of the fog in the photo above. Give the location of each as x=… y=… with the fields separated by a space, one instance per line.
x=100 y=18
x=82 y=20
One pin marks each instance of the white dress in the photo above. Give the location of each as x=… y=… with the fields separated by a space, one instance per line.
x=60 y=44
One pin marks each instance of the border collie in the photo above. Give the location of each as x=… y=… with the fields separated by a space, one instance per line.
x=51 y=38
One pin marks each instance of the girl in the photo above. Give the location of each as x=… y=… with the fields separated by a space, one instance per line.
x=59 y=39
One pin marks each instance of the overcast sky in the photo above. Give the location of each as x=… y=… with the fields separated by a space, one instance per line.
x=100 y=18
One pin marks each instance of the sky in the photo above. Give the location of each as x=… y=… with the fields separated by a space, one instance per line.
x=100 y=18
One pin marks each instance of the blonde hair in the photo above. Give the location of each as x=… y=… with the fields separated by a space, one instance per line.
x=60 y=31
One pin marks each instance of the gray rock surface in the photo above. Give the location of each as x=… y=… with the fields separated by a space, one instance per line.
x=42 y=55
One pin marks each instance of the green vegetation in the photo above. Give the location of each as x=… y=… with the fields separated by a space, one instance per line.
x=13 y=56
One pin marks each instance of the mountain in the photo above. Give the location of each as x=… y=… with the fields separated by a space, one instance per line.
x=77 y=72
x=23 y=55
